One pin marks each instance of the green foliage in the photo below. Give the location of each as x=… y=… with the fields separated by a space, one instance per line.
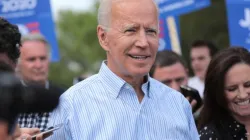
x=80 y=51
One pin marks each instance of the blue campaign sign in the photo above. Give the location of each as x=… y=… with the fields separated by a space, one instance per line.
x=169 y=21
x=169 y=34
x=239 y=22
x=164 y=41
x=178 y=7
x=237 y=1
x=32 y=16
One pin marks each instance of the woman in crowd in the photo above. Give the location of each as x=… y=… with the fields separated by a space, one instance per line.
x=226 y=112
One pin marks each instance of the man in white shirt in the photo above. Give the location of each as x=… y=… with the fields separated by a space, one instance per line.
x=122 y=102
x=201 y=53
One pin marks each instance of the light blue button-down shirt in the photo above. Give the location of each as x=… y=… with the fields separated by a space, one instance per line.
x=105 y=107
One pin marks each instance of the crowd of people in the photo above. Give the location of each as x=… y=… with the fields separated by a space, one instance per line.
x=138 y=93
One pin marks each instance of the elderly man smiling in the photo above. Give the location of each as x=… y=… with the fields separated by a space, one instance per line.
x=122 y=102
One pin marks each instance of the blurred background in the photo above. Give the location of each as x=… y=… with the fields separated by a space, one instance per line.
x=75 y=24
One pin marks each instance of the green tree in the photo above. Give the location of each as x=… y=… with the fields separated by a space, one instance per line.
x=80 y=51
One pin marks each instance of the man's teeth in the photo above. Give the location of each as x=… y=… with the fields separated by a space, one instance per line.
x=243 y=103
x=139 y=57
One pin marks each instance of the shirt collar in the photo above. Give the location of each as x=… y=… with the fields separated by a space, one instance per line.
x=46 y=84
x=115 y=84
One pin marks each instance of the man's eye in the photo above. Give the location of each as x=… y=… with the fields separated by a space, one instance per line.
x=180 y=80
x=43 y=58
x=167 y=82
x=151 y=31
x=201 y=58
x=130 y=30
x=247 y=84
x=31 y=59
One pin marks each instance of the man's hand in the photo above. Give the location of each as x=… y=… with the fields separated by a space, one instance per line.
x=27 y=133
x=30 y=131
x=192 y=102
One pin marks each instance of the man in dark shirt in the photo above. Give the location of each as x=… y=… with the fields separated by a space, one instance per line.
x=9 y=53
x=33 y=68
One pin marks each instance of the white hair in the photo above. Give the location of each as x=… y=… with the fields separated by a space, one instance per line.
x=35 y=37
x=104 y=12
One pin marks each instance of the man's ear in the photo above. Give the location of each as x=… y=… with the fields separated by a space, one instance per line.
x=102 y=37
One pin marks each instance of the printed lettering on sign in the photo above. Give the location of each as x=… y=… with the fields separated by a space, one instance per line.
x=17 y=5
x=245 y=23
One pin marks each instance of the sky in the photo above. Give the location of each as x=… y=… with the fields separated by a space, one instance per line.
x=78 y=5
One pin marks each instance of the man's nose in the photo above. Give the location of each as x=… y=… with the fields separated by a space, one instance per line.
x=195 y=61
x=142 y=40
x=38 y=63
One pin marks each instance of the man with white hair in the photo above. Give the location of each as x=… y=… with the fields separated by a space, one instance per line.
x=122 y=102
x=33 y=68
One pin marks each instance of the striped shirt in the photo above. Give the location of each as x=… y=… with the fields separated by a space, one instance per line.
x=105 y=107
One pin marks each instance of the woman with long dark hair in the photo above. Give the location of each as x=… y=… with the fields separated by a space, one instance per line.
x=226 y=111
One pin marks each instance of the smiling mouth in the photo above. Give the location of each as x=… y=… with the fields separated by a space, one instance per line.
x=138 y=57
x=246 y=102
